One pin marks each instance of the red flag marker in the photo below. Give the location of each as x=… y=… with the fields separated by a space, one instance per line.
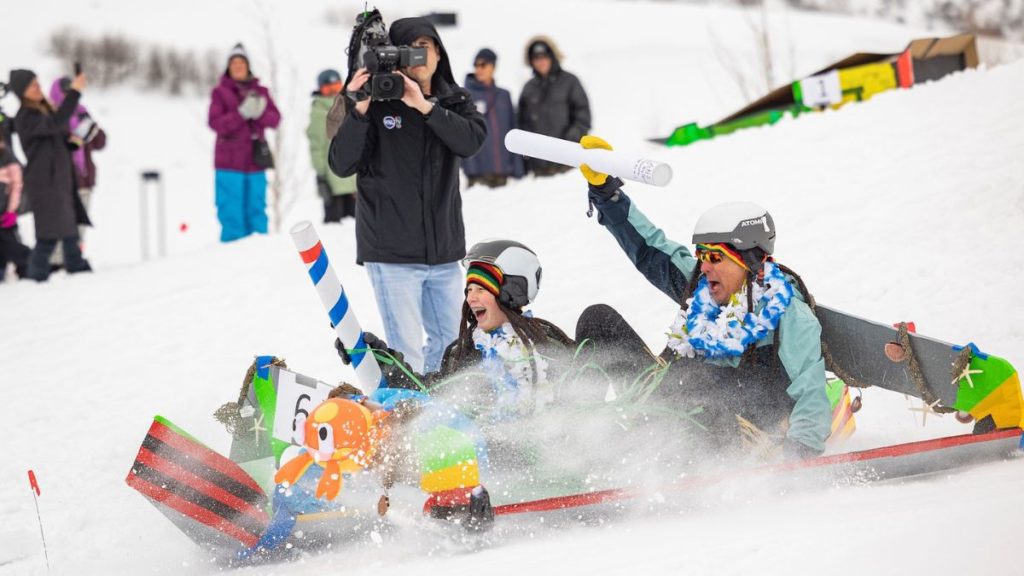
x=35 y=496
x=32 y=482
x=184 y=227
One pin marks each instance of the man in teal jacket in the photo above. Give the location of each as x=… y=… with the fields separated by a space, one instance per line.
x=745 y=345
x=338 y=194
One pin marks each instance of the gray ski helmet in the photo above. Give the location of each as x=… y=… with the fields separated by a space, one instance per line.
x=518 y=263
x=744 y=225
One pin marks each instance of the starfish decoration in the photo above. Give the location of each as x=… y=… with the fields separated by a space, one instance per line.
x=925 y=410
x=257 y=427
x=966 y=375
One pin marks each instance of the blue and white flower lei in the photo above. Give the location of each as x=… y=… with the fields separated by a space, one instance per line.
x=505 y=359
x=712 y=331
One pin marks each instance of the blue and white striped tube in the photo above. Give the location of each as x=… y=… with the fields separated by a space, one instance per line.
x=332 y=296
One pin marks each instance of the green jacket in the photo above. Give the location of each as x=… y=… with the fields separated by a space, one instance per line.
x=670 y=266
x=318 y=145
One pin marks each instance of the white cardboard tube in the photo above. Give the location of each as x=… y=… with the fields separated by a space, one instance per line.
x=611 y=162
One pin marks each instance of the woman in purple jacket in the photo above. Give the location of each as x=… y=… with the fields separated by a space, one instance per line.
x=240 y=110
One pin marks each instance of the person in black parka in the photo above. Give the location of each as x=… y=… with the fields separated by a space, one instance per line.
x=409 y=229
x=553 y=102
x=50 y=174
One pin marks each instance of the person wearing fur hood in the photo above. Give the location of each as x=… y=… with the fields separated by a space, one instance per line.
x=553 y=102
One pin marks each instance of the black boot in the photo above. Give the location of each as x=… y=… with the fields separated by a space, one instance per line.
x=481 y=513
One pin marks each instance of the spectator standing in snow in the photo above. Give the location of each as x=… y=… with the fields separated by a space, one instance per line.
x=409 y=228
x=49 y=174
x=338 y=194
x=553 y=102
x=87 y=137
x=493 y=164
x=11 y=248
x=240 y=111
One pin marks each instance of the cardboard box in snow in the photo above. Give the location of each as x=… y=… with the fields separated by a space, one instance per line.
x=855 y=78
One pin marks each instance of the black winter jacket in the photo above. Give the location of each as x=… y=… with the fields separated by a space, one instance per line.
x=409 y=209
x=49 y=173
x=555 y=105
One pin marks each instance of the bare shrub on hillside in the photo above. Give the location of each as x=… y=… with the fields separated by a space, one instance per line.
x=109 y=60
x=113 y=59
x=995 y=18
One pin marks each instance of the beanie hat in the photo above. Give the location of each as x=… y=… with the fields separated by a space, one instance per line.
x=329 y=76
x=487 y=55
x=486 y=275
x=20 y=79
x=238 y=51
x=540 y=48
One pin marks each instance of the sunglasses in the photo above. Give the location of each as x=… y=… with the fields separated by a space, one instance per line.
x=710 y=257
x=715 y=253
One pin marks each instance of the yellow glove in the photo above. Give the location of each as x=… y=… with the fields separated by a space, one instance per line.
x=591 y=142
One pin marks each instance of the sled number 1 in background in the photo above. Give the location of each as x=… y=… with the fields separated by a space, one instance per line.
x=821 y=90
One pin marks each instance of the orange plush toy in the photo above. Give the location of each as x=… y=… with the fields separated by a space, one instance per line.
x=341 y=436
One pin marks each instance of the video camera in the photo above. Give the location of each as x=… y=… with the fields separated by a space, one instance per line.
x=371 y=48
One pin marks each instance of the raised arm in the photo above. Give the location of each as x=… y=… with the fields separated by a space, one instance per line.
x=668 y=265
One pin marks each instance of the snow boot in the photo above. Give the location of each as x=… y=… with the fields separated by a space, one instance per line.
x=474 y=512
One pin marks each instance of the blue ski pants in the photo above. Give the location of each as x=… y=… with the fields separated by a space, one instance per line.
x=241 y=203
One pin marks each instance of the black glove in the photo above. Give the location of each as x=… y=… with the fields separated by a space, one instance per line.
x=372 y=342
x=793 y=451
x=392 y=363
x=607 y=192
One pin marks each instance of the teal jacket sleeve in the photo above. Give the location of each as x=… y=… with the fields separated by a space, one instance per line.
x=810 y=422
x=667 y=265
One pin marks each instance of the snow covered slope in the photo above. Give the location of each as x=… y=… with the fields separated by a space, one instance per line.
x=906 y=207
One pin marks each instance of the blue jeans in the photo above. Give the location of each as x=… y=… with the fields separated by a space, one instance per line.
x=241 y=203
x=414 y=298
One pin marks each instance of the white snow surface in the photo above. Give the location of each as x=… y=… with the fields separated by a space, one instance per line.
x=906 y=207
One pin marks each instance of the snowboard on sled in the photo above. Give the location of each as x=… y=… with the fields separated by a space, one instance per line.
x=947 y=377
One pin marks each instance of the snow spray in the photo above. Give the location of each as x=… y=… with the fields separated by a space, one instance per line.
x=35 y=497
x=618 y=164
x=332 y=296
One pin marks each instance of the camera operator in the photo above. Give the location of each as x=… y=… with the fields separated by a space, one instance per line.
x=409 y=229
